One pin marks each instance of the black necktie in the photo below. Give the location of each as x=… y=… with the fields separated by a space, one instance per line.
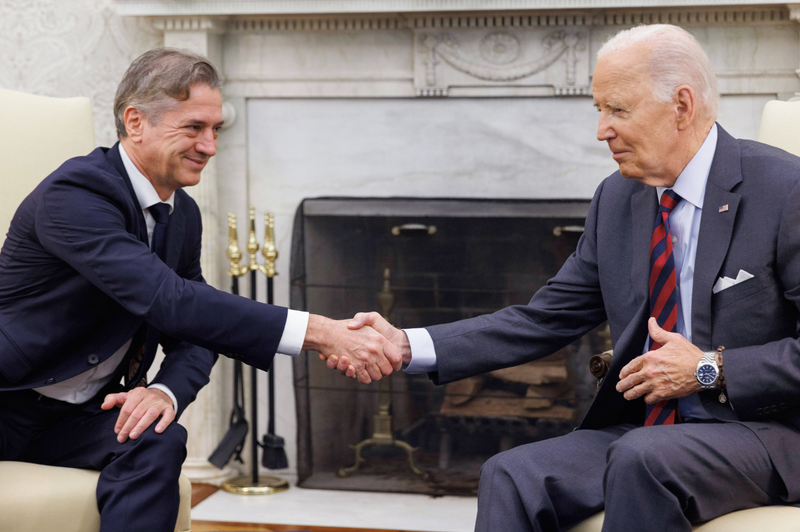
x=160 y=213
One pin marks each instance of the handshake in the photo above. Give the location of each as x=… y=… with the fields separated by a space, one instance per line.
x=366 y=348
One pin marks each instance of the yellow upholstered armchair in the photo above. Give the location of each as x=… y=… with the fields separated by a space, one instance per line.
x=780 y=126
x=39 y=134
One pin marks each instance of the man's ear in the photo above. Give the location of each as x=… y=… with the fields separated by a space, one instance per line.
x=134 y=123
x=685 y=107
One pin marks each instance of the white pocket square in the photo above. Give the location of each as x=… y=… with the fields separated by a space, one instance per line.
x=724 y=283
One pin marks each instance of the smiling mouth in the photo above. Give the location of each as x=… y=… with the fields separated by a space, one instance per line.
x=200 y=163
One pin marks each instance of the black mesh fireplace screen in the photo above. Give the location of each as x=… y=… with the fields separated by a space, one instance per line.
x=429 y=261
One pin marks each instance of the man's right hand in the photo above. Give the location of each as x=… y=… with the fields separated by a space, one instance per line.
x=369 y=355
x=375 y=321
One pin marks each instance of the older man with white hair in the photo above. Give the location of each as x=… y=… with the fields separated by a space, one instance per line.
x=696 y=241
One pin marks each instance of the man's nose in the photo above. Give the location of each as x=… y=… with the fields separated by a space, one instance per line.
x=207 y=143
x=604 y=129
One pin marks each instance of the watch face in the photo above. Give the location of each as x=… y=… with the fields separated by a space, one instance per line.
x=706 y=374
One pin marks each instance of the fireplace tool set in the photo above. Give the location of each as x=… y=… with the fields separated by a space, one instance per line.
x=273 y=456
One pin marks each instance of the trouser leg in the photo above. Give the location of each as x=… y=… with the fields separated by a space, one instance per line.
x=23 y=417
x=546 y=485
x=138 y=486
x=664 y=478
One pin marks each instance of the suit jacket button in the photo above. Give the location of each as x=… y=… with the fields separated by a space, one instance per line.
x=93 y=359
x=51 y=380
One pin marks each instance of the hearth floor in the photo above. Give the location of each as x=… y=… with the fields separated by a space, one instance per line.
x=343 y=509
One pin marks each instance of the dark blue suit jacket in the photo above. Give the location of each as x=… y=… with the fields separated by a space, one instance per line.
x=77 y=280
x=607 y=278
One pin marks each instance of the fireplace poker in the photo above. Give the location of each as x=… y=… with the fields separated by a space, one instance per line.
x=252 y=248
x=233 y=441
x=273 y=455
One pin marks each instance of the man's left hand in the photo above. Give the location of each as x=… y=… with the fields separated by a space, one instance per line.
x=665 y=373
x=138 y=409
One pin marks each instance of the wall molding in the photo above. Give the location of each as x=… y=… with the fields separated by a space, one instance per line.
x=285 y=7
x=206 y=24
x=316 y=23
x=689 y=17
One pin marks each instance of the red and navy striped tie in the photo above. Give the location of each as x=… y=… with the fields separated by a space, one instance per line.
x=663 y=297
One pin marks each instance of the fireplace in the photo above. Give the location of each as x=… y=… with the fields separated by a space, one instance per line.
x=357 y=98
x=429 y=261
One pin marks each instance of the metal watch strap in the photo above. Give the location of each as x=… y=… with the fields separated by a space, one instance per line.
x=709 y=357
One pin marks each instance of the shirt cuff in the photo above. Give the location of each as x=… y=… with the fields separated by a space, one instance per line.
x=423 y=354
x=164 y=388
x=294 y=333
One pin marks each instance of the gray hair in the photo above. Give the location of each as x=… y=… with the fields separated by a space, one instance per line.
x=157 y=80
x=675 y=58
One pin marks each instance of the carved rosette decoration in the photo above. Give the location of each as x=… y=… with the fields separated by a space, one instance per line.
x=499 y=48
x=501 y=58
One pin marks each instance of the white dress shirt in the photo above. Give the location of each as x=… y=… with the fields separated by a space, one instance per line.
x=84 y=386
x=685 y=228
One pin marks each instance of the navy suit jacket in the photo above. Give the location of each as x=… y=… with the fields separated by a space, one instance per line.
x=77 y=280
x=607 y=278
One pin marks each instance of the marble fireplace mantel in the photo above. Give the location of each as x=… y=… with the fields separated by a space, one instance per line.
x=467 y=48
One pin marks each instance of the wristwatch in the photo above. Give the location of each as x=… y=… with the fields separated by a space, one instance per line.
x=707 y=372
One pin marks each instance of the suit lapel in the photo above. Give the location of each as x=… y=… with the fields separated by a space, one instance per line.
x=609 y=406
x=116 y=161
x=175 y=231
x=716 y=229
x=644 y=205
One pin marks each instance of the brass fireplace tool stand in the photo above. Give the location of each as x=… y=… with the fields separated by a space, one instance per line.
x=254 y=484
x=382 y=434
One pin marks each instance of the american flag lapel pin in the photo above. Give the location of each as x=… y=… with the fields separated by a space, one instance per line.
x=724 y=208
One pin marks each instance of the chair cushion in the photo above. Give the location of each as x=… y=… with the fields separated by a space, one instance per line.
x=772 y=518
x=37 y=498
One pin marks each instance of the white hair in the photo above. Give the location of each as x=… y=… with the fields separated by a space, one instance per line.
x=675 y=58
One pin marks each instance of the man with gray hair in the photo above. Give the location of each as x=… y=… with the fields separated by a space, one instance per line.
x=691 y=251
x=101 y=265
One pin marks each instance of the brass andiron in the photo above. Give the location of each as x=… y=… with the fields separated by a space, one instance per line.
x=253 y=483
x=382 y=434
